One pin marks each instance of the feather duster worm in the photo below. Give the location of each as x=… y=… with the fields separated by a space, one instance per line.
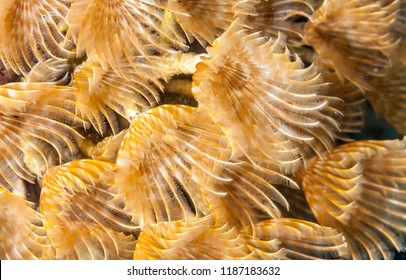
x=107 y=149
x=277 y=16
x=213 y=182
x=54 y=70
x=296 y=239
x=388 y=98
x=353 y=103
x=35 y=130
x=252 y=88
x=78 y=219
x=206 y=20
x=252 y=195
x=359 y=188
x=31 y=33
x=22 y=235
x=353 y=38
x=398 y=29
x=128 y=27
x=196 y=239
x=299 y=209
x=174 y=157
x=103 y=92
x=200 y=238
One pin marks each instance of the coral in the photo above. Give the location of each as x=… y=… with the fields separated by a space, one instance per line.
x=161 y=129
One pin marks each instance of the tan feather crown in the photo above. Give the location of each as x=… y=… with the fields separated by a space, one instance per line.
x=161 y=129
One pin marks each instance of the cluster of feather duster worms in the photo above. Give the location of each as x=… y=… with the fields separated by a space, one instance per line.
x=161 y=129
